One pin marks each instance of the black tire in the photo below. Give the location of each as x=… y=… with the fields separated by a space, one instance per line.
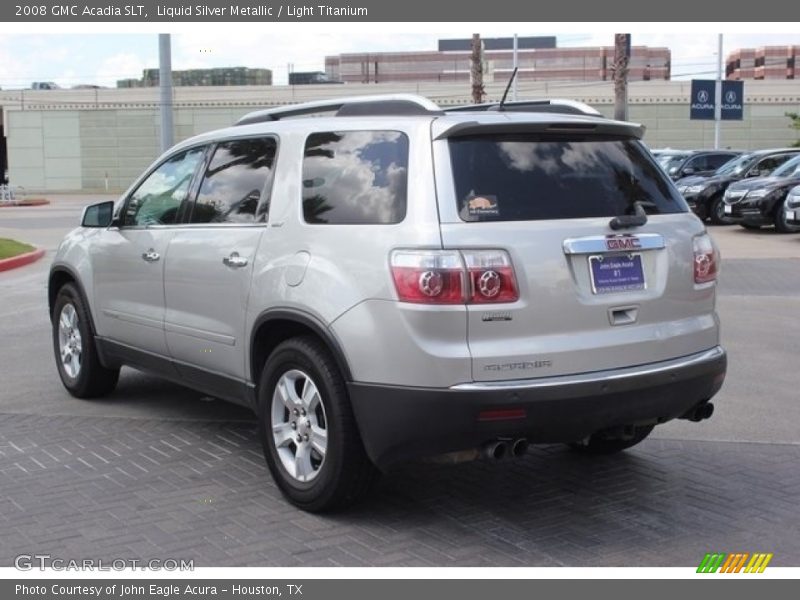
x=345 y=474
x=701 y=210
x=781 y=226
x=91 y=379
x=600 y=445
x=716 y=211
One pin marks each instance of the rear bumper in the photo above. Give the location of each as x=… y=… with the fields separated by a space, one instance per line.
x=401 y=423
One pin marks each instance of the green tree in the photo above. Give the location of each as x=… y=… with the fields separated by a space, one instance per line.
x=795 y=117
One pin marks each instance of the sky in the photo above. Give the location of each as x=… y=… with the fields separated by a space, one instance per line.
x=102 y=59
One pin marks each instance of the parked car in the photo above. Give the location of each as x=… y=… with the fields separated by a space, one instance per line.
x=705 y=194
x=753 y=203
x=44 y=85
x=695 y=162
x=792 y=207
x=664 y=155
x=402 y=281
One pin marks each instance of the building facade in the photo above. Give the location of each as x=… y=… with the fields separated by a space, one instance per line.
x=538 y=59
x=768 y=62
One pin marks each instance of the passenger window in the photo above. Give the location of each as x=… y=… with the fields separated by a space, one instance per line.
x=768 y=165
x=234 y=182
x=698 y=163
x=355 y=177
x=158 y=199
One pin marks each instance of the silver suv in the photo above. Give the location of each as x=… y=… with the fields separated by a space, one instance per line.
x=390 y=280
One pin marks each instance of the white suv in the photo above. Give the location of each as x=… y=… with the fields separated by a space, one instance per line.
x=394 y=280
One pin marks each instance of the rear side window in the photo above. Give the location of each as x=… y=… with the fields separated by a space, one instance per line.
x=234 y=182
x=527 y=177
x=355 y=177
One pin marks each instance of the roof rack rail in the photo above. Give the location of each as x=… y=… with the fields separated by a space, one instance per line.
x=556 y=105
x=361 y=106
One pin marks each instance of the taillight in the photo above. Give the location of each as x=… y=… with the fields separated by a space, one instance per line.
x=453 y=277
x=706 y=259
x=428 y=276
x=490 y=276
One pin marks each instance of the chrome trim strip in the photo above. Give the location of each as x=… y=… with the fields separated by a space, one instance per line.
x=597 y=244
x=596 y=377
x=136 y=319
x=194 y=226
x=211 y=336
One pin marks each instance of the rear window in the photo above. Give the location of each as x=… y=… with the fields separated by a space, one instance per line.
x=355 y=177
x=534 y=177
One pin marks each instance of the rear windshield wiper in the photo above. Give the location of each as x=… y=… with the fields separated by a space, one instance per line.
x=637 y=219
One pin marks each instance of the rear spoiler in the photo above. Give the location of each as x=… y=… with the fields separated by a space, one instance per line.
x=587 y=126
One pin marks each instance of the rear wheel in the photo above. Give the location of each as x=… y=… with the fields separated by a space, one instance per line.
x=75 y=350
x=716 y=211
x=311 y=442
x=599 y=443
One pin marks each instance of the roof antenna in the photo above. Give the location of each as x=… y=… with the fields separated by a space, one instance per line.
x=508 y=87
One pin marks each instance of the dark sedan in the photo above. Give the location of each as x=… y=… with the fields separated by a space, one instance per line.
x=705 y=194
x=753 y=203
x=679 y=164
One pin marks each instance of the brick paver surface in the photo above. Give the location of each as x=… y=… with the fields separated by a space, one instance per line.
x=99 y=487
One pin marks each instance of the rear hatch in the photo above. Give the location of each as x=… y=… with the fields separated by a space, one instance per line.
x=589 y=297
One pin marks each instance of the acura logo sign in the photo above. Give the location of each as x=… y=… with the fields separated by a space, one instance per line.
x=702 y=96
x=730 y=97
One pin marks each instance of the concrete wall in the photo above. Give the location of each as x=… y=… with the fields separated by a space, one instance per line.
x=44 y=150
x=58 y=144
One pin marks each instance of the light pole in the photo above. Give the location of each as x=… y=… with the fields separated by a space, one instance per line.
x=165 y=85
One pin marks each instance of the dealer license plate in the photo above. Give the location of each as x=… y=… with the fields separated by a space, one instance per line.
x=616 y=273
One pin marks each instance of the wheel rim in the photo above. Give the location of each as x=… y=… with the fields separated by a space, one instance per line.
x=299 y=425
x=70 y=344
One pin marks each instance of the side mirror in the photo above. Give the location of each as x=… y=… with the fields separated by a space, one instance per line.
x=98 y=215
x=689 y=171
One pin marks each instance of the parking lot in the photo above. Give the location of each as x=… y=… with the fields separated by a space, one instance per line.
x=156 y=471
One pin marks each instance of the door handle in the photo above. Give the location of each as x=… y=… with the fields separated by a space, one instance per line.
x=234 y=260
x=151 y=255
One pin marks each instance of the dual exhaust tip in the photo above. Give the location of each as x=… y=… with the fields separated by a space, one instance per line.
x=701 y=412
x=500 y=449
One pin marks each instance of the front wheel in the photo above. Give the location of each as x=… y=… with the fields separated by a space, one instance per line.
x=716 y=211
x=601 y=444
x=308 y=431
x=781 y=224
x=74 y=348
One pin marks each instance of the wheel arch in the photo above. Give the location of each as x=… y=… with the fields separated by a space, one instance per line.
x=60 y=275
x=277 y=325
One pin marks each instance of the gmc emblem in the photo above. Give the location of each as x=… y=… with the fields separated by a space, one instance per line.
x=623 y=243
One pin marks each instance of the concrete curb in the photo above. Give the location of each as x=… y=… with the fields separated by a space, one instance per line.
x=21 y=259
x=31 y=202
